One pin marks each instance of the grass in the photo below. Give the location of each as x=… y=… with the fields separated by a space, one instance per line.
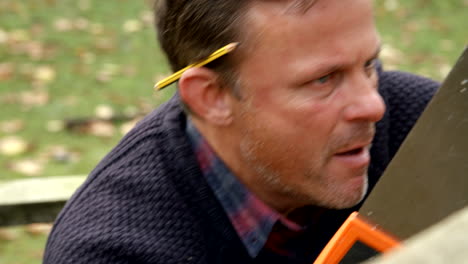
x=23 y=248
x=99 y=53
x=129 y=60
x=430 y=34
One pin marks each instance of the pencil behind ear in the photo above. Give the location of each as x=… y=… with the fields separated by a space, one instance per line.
x=201 y=91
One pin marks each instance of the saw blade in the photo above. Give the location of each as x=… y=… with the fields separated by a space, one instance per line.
x=428 y=178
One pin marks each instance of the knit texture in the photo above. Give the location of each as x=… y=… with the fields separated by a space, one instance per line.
x=147 y=201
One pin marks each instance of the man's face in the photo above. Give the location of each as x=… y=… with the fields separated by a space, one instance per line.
x=309 y=102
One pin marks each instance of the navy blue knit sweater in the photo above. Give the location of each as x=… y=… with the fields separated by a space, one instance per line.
x=147 y=201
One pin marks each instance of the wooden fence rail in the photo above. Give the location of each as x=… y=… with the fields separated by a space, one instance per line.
x=35 y=200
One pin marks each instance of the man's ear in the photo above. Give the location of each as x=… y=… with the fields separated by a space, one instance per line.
x=201 y=90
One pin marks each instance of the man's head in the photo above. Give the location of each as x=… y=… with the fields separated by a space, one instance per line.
x=299 y=130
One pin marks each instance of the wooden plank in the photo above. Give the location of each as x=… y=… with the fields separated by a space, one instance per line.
x=35 y=200
x=444 y=242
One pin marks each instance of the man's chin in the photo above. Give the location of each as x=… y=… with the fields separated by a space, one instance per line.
x=356 y=197
x=353 y=195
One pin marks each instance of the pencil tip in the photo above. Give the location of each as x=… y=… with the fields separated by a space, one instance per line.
x=232 y=46
x=157 y=86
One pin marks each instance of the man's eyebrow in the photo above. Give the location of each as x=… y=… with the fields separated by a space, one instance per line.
x=335 y=67
x=327 y=67
x=377 y=52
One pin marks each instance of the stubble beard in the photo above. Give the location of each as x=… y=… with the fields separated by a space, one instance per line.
x=336 y=198
x=326 y=193
x=264 y=171
x=271 y=178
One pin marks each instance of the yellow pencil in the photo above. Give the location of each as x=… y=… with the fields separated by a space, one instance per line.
x=175 y=76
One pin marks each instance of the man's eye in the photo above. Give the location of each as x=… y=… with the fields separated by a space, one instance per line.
x=323 y=79
x=370 y=66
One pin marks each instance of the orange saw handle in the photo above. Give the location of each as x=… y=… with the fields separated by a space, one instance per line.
x=354 y=229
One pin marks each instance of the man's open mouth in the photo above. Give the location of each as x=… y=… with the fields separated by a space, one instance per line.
x=354 y=151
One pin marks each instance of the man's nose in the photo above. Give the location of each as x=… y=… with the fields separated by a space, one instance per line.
x=366 y=104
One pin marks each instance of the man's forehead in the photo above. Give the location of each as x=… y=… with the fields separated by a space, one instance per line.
x=317 y=34
x=264 y=15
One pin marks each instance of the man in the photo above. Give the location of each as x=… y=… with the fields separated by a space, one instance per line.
x=278 y=143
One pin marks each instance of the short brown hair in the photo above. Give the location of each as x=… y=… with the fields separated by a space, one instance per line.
x=190 y=30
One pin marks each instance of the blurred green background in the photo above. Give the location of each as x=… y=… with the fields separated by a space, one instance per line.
x=76 y=75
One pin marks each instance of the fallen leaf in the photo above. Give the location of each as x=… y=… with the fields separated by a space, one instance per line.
x=447 y=44
x=9 y=234
x=28 y=167
x=437 y=24
x=38 y=253
x=104 y=44
x=35 y=50
x=26 y=70
x=126 y=127
x=87 y=57
x=9 y=98
x=84 y=5
x=44 y=74
x=132 y=25
x=107 y=72
x=63 y=155
x=391 y=5
x=101 y=129
x=63 y=24
x=81 y=23
x=3 y=36
x=38 y=229
x=60 y=154
x=444 y=70
x=6 y=71
x=18 y=35
x=391 y=56
x=37 y=30
x=12 y=126
x=55 y=126
x=129 y=70
x=130 y=111
x=145 y=106
x=104 y=76
x=147 y=17
x=71 y=100
x=13 y=146
x=104 y=111
x=36 y=97
x=413 y=26
x=96 y=28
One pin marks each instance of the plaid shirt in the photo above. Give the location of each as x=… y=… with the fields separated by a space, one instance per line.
x=257 y=225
